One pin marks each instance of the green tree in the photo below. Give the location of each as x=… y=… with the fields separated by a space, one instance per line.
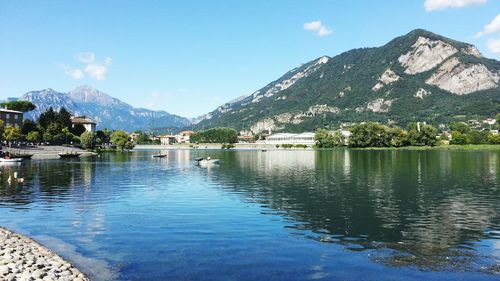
x=33 y=136
x=47 y=117
x=122 y=140
x=458 y=138
x=477 y=137
x=103 y=136
x=459 y=127
x=63 y=117
x=494 y=138
x=143 y=138
x=370 y=135
x=88 y=140
x=53 y=134
x=399 y=137
x=425 y=137
x=215 y=135
x=28 y=126
x=328 y=139
x=12 y=134
x=21 y=105
x=2 y=129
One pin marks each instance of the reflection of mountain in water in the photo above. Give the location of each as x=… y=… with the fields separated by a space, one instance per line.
x=423 y=203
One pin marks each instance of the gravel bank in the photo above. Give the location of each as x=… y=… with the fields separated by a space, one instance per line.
x=22 y=258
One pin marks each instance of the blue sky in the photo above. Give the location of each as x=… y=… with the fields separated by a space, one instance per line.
x=188 y=57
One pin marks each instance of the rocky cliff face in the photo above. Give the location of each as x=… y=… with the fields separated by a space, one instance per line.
x=107 y=111
x=420 y=76
x=462 y=79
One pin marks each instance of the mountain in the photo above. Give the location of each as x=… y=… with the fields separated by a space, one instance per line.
x=420 y=76
x=107 y=111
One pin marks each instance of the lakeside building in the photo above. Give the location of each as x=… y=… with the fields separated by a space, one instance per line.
x=245 y=139
x=306 y=138
x=11 y=117
x=167 y=139
x=88 y=124
x=490 y=121
x=183 y=137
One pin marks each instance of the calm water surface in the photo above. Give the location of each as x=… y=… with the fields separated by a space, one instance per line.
x=276 y=215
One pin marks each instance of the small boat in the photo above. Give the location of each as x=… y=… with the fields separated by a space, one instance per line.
x=264 y=150
x=22 y=156
x=69 y=154
x=202 y=161
x=11 y=160
x=159 y=155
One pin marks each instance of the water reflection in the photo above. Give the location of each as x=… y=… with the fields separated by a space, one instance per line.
x=431 y=209
x=434 y=206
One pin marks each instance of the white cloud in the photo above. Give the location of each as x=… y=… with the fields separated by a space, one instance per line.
x=434 y=5
x=494 y=46
x=492 y=27
x=99 y=71
x=317 y=27
x=73 y=72
x=96 y=70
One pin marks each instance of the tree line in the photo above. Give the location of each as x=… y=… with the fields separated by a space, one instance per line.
x=55 y=128
x=374 y=134
x=215 y=135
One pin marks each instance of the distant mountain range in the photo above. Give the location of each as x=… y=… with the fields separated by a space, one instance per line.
x=107 y=111
x=420 y=76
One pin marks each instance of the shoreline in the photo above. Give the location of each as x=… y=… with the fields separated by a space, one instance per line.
x=46 y=152
x=253 y=146
x=22 y=258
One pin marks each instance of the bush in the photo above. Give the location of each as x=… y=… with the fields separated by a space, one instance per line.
x=426 y=136
x=227 y=146
x=493 y=139
x=122 y=140
x=286 y=146
x=458 y=138
x=370 y=135
x=328 y=139
x=301 y=146
x=477 y=137
x=88 y=140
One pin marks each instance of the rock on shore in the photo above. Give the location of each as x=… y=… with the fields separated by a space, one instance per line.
x=21 y=258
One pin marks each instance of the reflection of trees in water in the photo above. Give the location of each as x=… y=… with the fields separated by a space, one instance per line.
x=47 y=181
x=423 y=202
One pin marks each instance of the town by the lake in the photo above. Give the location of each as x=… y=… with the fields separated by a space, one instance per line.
x=250 y=140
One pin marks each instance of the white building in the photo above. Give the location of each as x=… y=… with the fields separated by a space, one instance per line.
x=285 y=138
x=167 y=139
x=87 y=123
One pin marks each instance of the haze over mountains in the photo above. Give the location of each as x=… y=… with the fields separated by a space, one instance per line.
x=107 y=111
x=420 y=76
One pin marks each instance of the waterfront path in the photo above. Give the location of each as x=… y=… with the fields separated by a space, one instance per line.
x=45 y=151
x=21 y=258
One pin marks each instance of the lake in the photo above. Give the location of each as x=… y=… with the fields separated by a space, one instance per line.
x=275 y=215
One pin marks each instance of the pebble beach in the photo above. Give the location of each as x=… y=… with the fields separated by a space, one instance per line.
x=22 y=258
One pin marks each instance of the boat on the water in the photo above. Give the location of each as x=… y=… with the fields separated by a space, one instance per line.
x=22 y=156
x=11 y=160
x=208 y=161
x=159 y=155
x=69 y=154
